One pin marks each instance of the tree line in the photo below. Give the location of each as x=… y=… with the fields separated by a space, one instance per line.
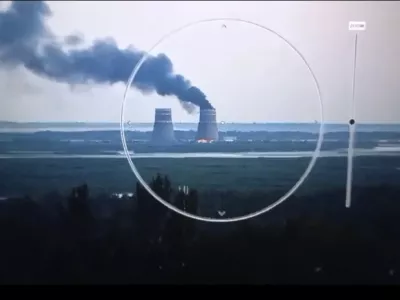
x=314 y=240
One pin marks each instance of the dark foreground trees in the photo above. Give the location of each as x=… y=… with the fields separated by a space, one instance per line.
x=77 y=239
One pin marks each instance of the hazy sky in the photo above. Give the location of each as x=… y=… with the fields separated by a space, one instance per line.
x=247 y=74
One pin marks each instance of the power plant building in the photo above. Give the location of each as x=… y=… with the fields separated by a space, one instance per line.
x=163 y=129
x=207 y=130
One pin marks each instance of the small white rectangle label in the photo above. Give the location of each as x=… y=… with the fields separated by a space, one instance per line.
x=357 y=25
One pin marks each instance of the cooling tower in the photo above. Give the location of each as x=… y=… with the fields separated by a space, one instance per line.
x=207 y=129
x=163 y=130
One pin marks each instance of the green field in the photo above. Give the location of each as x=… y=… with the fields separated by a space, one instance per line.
x=38 y=176
x=235 y=178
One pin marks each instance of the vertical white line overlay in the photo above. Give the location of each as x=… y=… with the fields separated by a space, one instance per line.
x=350 y=153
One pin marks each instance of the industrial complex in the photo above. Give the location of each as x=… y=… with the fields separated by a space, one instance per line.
x=163 y=128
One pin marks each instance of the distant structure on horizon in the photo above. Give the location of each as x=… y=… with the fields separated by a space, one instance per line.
x=163 y=128
x=230 y=139
x=207 y=130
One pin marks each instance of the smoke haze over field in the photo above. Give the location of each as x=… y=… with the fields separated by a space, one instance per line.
x=26 y=40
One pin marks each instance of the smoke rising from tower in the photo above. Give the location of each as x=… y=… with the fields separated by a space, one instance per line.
x=26 y=40
x=207 y=128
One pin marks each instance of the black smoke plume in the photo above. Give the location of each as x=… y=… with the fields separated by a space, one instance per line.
x=73 y=40
x=26 y=40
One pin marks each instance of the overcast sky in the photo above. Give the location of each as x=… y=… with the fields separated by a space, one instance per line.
x=248 y=74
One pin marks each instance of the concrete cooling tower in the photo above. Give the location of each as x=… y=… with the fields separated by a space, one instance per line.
x=207 y=129
x=163 y=129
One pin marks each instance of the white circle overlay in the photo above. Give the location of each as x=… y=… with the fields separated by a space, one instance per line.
x=244 y=217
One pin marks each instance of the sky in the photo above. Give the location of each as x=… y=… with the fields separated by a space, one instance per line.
x=248 y=74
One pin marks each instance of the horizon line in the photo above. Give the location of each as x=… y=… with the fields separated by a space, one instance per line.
x=219 y=123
